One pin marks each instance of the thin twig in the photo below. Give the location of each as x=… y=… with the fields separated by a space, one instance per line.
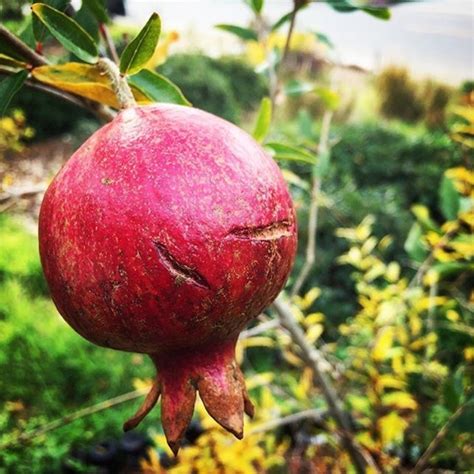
x=21 y=48
x=275 y=72
x=314 y=414
x=22 y=192
x=105 y=33
x=53 y=425
x=259 y=329
x=438 y=439
x=323 y=148
x=315 y=361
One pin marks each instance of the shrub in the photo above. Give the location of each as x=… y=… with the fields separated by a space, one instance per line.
x=379 y=171
x=224 y=87
x=49 y=116
x=398 y=95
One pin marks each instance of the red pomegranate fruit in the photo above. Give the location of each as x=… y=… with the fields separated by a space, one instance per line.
x=167 y=232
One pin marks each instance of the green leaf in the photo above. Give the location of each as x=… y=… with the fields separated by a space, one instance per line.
x=67 y=31
x=9 y=87
x=330 y=97
x=322 y=38
x=296 y=88
x=342 y=6
x=243 y=33
x=278 y=151
x=257 y=5
x=88 y=21
x=40 y=32
x=414 y=246
x=141 y=49
x=449 y=199
x=11 y=62
x=448 y=269
x=157 y=88
x=465 y=423
x=453 y=389
x=378 y=12
x=97 y=8
x=264 y=119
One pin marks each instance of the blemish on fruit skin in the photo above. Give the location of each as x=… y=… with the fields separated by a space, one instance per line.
x=197 y=237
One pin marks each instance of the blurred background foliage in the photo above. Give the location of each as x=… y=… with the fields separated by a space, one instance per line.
x=389 y=302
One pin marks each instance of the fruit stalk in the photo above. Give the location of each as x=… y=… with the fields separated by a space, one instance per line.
x=119 y=83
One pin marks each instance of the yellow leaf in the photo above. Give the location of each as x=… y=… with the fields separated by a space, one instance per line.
x=383 y=343
x=258 y=341
x=452 y=315
x=313 y=318
x=310 y=298
x=469 y=354
x=84 y=80
x=401 y=400
x=389 y=381
x=258 y=380
x=314 y=332
x=393 y=272
x=392 y=428
x=292 y=359
x=142 y=384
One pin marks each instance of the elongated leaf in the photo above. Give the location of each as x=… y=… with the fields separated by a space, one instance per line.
x=40 y=32
x=67 y=31
x=11 y=62
x=378 y=12
x=9 y=87
x=414 y=246
x=447 y=269
x=97 y=8
x=88 y=21
x=343 y=6
x=296 y=88
x=278 y=151
x=83 y=80
x=264 y=119
x=141 y=49
x=157 y=88
x=449 y=199
x=257 y=5
x=243 y=33
x=324 y=39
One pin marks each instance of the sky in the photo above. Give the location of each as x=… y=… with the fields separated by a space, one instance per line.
x=434 y=38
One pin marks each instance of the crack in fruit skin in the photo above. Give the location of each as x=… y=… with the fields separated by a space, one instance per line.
x=179 y=270
x=191 y=236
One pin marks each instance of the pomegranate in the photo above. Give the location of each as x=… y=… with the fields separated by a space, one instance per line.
x=167 y=232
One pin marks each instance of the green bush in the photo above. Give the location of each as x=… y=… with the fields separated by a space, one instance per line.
x=225 y=87
x=374 y=170
x=49 y=116
x=52 y=371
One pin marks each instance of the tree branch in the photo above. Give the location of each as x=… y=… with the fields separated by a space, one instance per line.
x=438 y=439
x=323 y=147
x=315 y=361
x=105 y=33
x=53 y=425
x=22 y=48
x=314 y=414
